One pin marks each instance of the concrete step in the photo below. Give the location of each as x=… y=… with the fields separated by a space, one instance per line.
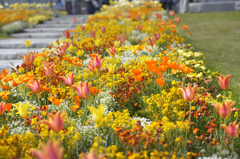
x=19 y=43
x=14 y=54
x=38 y=35
x=56 y=25
x=8 y=64
x=48 y=30
x=65 y=21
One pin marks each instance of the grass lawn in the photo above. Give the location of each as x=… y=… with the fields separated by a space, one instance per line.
x=217 y=35
x=4 y=36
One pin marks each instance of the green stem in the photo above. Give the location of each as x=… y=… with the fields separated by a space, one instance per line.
x=232 y=147
x=98 y=139
x=189 y=118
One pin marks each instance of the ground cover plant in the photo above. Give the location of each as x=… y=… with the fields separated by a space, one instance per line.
x=124 y=85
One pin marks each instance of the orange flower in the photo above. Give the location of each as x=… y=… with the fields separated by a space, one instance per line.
x=6 y=87
x=160 y=74
x=8 y=106
x=137 y=74
x=94 y=90
x=160 y=81
x=74 y=108
x=224 y=109
x=151 y=62
x=154 y=69
x=187 y=69
x=165 y=59
x=172 y=65
x=232 y=129
x=163 y=68
x=4 y=95
x=55 y=101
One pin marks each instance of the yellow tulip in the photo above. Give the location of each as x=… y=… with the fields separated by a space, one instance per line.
x=22 y=109
x=111 y=68
x=27 y=43
x=97 y=113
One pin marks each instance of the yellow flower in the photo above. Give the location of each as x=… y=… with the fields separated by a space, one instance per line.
x=97 y=113
x=22 y=109
x=27 y=43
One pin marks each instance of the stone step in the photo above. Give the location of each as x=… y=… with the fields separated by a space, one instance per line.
x=19 y=43
x=56 y=25
x=13 y=54
x=8 y=64
x=65 y=21
x=38 y=35
x=48 y=30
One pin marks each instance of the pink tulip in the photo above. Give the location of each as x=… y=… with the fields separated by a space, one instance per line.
x=92 y=155
x=232 y=129
x=62 y=50
x=26 y=59
x=157 y=35
x=103 y=29
x=68 y=79
x=224 y=81
x=224 y=109
x=189 y=92
x=151 y=41
x=158 y=15
x=66 y=34
x=172 y=13
x=97 y=61
x=92 y=33
x=35 y=86
x=48 y=69
x=112 y=51
x=83 y=89
x=178 y=19
x=49 y=151
x=83 y=27
x=55 y=121
x=121 y=38
x=2 y=107
x=91 y=67
x=139 y=28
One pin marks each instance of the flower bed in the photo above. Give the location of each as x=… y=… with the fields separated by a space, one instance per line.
x=116 y=88
x=26 y=14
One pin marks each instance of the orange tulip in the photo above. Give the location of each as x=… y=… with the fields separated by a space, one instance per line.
x=224 y=81
x=55 y=100
x=189 y=92
x=160 y=81
x=35 y=86
x=165 y=59
x=224 y=109
x=232 y=129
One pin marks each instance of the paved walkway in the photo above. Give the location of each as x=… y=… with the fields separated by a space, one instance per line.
x=12 y=49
